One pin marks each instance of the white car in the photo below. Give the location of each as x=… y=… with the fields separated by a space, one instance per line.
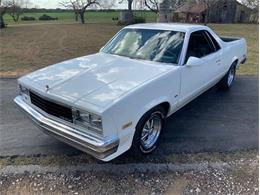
x=117 y=99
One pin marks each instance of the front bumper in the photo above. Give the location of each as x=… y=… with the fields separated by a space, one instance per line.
x=98 y=148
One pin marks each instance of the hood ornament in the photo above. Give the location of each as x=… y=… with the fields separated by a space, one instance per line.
x=47 y=88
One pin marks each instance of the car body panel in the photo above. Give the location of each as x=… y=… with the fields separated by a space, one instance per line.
x=98 y=79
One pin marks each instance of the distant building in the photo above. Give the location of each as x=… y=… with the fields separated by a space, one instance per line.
x=164 y=12
x=224 y=11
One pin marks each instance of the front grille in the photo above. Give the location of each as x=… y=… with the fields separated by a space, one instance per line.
x=51 y=108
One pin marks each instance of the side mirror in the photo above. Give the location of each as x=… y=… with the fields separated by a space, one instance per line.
x=193 y=61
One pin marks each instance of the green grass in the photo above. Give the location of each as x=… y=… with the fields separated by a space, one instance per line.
x=90 y=16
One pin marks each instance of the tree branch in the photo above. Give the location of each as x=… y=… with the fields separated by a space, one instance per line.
x=154 y=3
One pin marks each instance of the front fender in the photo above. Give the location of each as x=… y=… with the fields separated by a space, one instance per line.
x=150 y=105
x=131 y=107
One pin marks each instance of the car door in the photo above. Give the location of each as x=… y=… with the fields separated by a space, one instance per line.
x=197 y=77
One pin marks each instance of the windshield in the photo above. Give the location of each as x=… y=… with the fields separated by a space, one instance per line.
x=154 y=45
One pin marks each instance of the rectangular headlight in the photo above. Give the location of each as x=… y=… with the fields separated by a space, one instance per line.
x=86 y=119
x=24 y=92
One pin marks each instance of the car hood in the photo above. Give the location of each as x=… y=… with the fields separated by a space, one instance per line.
x=98 y=79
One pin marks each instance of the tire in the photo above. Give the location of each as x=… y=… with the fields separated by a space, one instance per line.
x=147 y=137
x=227 y=81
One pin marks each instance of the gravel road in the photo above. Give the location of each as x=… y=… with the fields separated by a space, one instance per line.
x=236 y=176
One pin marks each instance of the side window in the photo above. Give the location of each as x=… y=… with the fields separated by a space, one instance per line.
x=199 y=45
x=217 y=47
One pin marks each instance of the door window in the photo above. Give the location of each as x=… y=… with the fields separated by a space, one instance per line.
x=199 y=45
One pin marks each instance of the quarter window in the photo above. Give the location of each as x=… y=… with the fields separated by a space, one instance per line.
x=217 y=47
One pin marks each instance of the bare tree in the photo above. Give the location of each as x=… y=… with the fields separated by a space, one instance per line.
x=3 y=10
x=81 y=7
x=175 y=4
x=72 y=4
x=209 y=6
x=15 y=9
x=254 y=4
x=152 y=5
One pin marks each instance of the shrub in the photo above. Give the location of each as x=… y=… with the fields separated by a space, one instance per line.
x=138 y=19
x=115 y=18
x=46 y=17
x=121 y=23
x=28 y=18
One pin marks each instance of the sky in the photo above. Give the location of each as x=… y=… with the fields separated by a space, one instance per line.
x=55 y=4
x=46 y=3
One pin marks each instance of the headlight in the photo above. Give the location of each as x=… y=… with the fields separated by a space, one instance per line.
x=86 y=119
x=24 y=92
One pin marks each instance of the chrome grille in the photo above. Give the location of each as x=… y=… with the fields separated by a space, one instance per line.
x=51 y=108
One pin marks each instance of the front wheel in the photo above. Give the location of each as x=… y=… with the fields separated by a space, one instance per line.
x=227 y=81
x=148 y=131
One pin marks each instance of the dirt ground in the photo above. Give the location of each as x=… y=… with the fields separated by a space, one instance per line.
x=25 y=48
x=238 y=176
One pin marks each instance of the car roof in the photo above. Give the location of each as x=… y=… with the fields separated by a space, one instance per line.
x=169 y=26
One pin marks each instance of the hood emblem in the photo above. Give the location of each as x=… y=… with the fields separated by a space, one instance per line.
x=47 y=88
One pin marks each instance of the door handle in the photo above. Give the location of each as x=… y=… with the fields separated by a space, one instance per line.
x=218 y=61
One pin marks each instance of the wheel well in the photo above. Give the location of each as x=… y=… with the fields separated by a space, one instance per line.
x=165 y=106
x=235 y=62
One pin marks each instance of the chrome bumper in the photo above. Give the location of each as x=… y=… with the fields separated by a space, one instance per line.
x=244 y=60
x=87 y=143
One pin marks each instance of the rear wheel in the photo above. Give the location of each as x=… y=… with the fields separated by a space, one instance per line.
x=148 y=131
x=227 y=81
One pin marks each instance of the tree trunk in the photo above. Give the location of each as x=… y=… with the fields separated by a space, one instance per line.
x=208 y=16
x=206 y=19
x=82 y=18
x=76 y=16
x=2 y=23
x=130 y=19
x=130 y=5
x=15 y=17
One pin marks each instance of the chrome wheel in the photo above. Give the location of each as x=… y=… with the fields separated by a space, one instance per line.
x=151 y=131
x=231 y=75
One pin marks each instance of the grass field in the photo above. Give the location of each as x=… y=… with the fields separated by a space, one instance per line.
x=90 y=16
x=25 y=48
